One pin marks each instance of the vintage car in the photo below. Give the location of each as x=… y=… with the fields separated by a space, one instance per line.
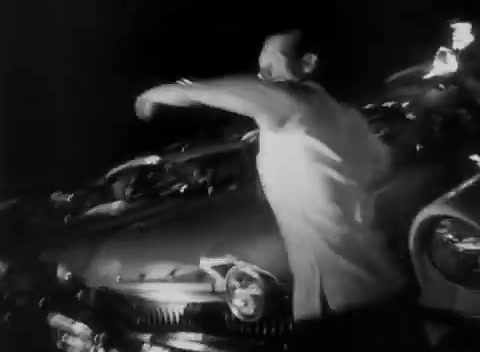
x=178 y=181
x=208 y=269
x=204 y=267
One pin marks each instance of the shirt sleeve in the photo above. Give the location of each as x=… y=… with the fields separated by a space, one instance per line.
x=267 y=103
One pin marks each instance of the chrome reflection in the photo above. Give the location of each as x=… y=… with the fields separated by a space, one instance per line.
x=184 y=341
x=72 y=335
x=245 y=293
x=148 y=160
x=462 y=35
x=187 y=316
x=187 y=341
x=171 y=314
x=444 y=63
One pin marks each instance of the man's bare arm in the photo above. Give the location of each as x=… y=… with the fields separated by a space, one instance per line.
x=248 y=96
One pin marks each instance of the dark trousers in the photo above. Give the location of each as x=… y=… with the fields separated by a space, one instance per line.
x=393 y=325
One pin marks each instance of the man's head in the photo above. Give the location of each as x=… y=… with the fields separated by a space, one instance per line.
x=286 y=57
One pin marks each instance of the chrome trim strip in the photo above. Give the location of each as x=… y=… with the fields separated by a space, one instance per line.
x=170 y=292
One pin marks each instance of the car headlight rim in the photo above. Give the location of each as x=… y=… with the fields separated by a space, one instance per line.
x=454 y=251
x=246 y=301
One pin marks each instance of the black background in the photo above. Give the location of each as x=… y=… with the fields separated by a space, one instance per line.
x=72 y=68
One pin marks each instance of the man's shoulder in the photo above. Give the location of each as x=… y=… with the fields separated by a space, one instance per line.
x=306 y=94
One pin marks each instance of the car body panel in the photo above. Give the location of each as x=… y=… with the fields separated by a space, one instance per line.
x=104 y=198
x=237 y=223
x=403 y=197
x=436 y=291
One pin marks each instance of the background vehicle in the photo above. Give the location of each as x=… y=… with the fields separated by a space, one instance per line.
x=443 y=235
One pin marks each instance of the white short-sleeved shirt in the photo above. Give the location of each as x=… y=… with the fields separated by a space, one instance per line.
x=315 y=171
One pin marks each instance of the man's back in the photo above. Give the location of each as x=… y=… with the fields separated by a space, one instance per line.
x=315 y=170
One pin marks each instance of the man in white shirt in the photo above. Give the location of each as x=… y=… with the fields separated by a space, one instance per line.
x=317 y=160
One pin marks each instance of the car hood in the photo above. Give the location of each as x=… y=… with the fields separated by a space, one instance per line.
x=237 y=223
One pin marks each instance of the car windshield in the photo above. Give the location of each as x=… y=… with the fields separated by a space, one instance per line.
x=208 y=170
x=196 y=172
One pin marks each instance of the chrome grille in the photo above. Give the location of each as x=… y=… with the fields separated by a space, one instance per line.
x=193 y=316
x=209 y=318
x=265 y=328
x=171 y=314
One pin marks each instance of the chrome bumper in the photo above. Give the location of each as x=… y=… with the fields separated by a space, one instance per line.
x=71 y=335
x=196 y=342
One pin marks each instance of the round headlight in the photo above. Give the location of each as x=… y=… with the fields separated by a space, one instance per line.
x=245 y=293
x=454 y=249
x=63 y=274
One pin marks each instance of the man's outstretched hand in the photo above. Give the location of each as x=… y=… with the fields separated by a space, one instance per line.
x=167 y=94
x=144 y=107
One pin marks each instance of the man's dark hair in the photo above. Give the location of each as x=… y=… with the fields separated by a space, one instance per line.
x=307 y=41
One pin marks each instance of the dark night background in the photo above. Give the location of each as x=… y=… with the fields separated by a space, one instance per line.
x=73 y=68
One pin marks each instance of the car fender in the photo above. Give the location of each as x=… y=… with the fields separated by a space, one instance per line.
x=436 y=291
